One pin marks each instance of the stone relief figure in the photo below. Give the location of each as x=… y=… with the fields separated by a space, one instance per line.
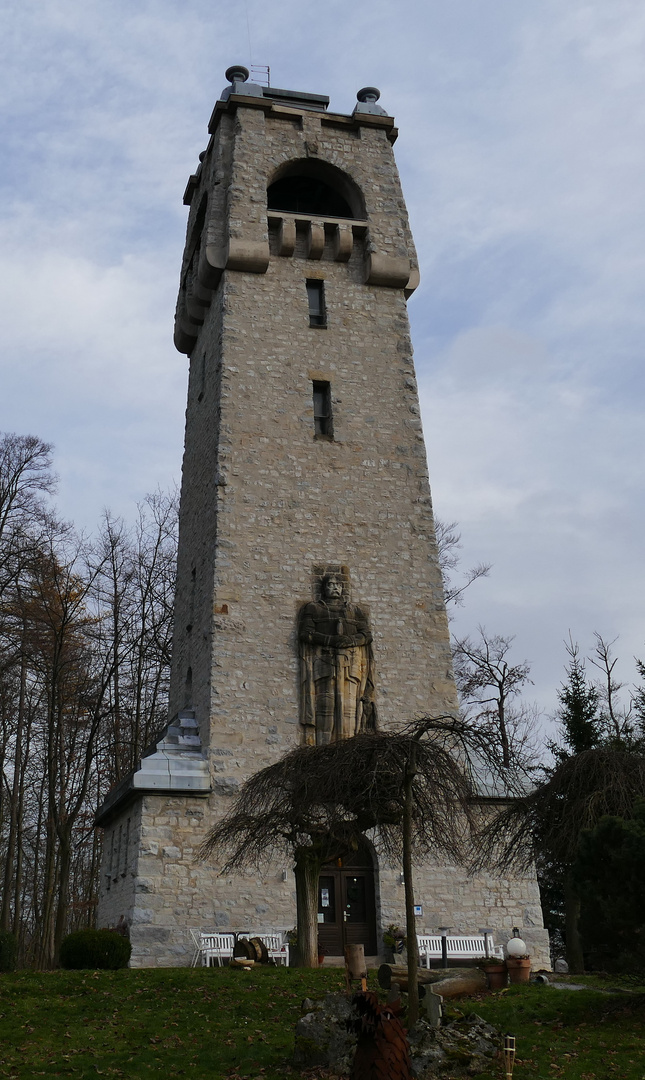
x=336 y=665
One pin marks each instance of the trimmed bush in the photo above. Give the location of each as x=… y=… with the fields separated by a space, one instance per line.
x=95 y=949
x=8 y=950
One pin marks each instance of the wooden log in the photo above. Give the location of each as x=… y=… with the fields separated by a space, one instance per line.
x=389 y=973
x=460 y=981
x=473 y=981
x=355 y=961
x=251 y=948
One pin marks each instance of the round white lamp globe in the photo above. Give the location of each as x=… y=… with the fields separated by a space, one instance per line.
x=516 y=946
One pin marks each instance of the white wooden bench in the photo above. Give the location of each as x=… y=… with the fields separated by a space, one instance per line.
x=459 y=947
x=211 y=949
x=277 y=948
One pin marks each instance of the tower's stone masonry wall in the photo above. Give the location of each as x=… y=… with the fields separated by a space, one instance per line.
x=274 y=502
x=167 y=890
x=265 y=503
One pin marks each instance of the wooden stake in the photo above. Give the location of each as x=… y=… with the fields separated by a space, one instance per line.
x=509 y=1055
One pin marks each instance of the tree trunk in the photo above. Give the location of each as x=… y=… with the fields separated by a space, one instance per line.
x=398 y=973
x=62 y=906
x=467 y=981
x=307 y=872
x=575 y=958
x=44 y=955
x=18 y=886
x=5 y=914
x=410 y=921
x=503 y=730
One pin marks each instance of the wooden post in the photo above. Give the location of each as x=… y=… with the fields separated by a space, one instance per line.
x=355 y=966
x=509 y=1055
x=443 y=930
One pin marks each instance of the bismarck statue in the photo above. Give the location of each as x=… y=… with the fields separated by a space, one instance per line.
x=337 y=666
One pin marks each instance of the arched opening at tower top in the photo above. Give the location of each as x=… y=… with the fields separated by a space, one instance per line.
x=317 y=188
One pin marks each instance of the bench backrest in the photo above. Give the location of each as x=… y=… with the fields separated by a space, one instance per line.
x=218 y=943
x=464 y=946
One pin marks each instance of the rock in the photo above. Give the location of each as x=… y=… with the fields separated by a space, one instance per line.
x=462 y=1047
x=322 y=1038
x=561 y=967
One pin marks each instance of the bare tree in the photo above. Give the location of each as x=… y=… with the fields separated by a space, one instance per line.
x=25 y=477
x=415 y=788
x=617 y=720
x=84 y=654
x=448 y=543
x=488 y=685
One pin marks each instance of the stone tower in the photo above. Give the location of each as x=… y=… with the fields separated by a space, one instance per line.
x=309 y=600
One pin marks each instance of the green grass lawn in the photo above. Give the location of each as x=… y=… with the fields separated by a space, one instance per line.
x=218 y=1023
x=576 y=1035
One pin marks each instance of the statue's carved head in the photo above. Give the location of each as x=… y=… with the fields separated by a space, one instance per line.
x=331 y=587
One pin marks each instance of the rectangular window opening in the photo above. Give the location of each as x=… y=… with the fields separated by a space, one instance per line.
x=316 y=298
x=323 y=426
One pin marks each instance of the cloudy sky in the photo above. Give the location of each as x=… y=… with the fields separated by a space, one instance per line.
x=522 y=153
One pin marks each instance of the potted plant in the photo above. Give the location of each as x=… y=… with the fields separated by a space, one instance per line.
x=394 y=940
x=495 y=971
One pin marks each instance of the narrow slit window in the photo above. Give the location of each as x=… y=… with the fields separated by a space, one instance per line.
x=322 y=410
x=316 y=297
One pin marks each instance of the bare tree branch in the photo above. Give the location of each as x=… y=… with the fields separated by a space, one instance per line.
x=448 y=541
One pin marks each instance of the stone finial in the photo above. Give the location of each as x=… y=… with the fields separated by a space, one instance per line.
x=368 y=94
x=238 y=76
x=238 y=73
x=367 y=101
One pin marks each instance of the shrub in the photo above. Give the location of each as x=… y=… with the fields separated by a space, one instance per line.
x=610 y=871
x=95 y=949
x=8 y=950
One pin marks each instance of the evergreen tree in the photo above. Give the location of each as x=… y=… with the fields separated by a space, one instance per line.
x=580 y=727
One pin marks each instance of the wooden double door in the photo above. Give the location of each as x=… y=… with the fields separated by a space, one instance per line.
x=346 y=908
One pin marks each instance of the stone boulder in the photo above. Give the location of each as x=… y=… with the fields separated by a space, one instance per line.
x=463 y=1046
x=322 y=1038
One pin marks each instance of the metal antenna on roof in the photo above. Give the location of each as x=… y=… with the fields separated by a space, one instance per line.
x=248 y=30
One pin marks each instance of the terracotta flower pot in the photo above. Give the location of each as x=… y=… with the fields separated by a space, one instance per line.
x=496 y=976
x=519 y=969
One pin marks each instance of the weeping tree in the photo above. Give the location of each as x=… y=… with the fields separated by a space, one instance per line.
x=414 y=789
x=545 y=825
